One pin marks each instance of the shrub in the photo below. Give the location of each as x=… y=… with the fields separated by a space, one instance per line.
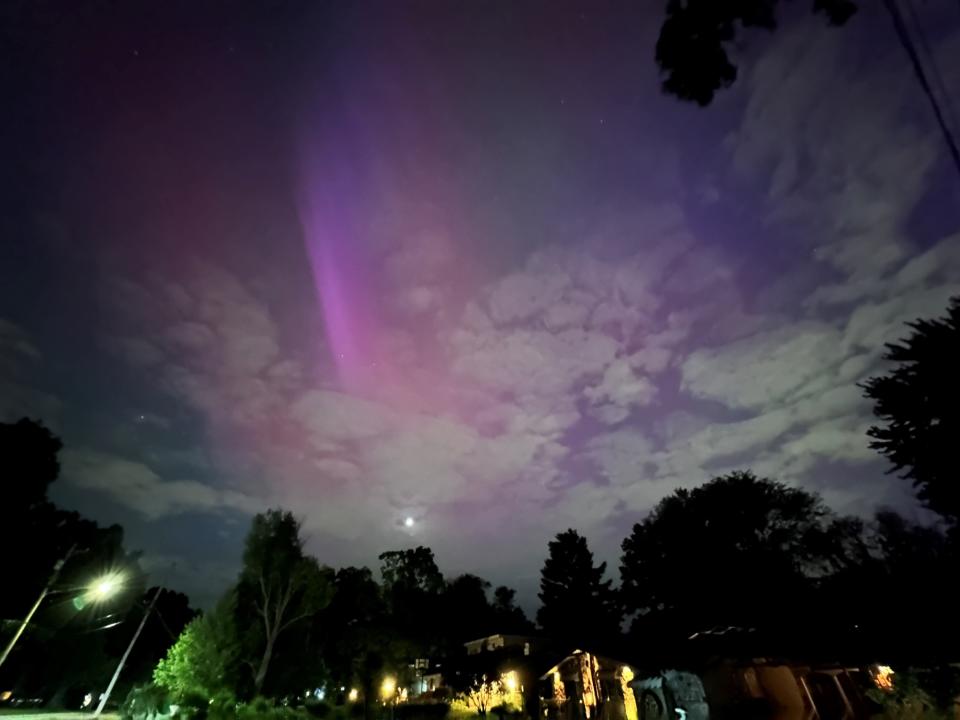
x=318 y=709
x=145 y=701
x=222 y=706
x=422 y=711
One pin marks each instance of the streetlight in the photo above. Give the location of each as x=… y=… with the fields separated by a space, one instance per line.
x=387 y=690
x=104 y=587
x=123 y=660
x=100 y=589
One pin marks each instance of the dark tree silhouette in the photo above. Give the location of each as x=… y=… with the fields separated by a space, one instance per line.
x=718 y=554
x=412 y=589
x=692 y=47
x=279 y=587
x=30 y=464
x=467 y=613
x=577 y=603
x=356 y=641
x=507 y=616
x=413 y=569
x=28 y=520
x=918 y=402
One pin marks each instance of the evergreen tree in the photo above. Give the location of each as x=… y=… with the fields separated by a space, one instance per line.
x=577 y=603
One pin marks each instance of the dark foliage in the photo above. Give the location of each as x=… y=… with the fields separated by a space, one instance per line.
x=421 y=711
x=507 y=617
x=280 y=587
x=31 y=464
x=412 y=590
x=714 y=556
x=577 y=603
x=68 y=648
x=918 y=402
x=692 y=50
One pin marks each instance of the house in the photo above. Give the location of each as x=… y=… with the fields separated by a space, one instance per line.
x=505 y=643
x=586 y=686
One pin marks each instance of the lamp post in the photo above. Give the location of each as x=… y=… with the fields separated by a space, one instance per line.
x=43 y=593
x=126 y=654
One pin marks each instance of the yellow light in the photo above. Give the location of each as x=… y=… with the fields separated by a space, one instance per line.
x=629 y=699
x=353 y=695
x=104 y=587
x=388 y=687
x=510 y=681
x=883 y=677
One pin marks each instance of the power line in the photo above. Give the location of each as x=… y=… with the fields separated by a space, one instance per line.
x=938 y=84
x=904 y=36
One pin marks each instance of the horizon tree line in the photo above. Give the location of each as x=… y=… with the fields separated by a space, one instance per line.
x=736 y=552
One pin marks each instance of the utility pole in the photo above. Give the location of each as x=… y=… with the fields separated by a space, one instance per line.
x=46 y=590
x=126 y=654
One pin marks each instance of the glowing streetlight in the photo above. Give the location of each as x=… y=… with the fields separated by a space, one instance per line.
x=409 y=522
x=100 y=589
x=510 y=680
x=353 y=695
x=104 y=587
x=388 y=687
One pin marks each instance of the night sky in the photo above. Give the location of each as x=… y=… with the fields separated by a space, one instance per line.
x=457 y=262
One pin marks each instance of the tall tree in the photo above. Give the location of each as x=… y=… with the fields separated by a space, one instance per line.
x=577 y=603
x=44 y=662
x=466 y=612
x=508 y=617
x=918 y=403
x=356 y=644
x=280 y=582
x=717 y=555
x=412 y=589
x=692 y=48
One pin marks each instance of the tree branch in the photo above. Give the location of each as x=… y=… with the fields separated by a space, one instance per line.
x=292 y=620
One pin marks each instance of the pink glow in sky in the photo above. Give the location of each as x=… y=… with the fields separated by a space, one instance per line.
x=470 y=268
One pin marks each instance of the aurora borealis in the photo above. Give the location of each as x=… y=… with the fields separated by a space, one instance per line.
x=461 y=263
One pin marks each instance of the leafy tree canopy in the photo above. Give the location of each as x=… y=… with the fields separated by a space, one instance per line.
x=692 y=50
x=279 y=587
x=714 y=555
x=918 y=404
x=202 y=662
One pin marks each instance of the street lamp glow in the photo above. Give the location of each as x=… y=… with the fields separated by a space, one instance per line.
x=388 y=687
x=104 y=587
x=409 y=522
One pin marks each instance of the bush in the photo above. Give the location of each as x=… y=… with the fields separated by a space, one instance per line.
x=222 y=706
x=318 y=709
x=262 y=708
x=422 y=711
x=145 y=701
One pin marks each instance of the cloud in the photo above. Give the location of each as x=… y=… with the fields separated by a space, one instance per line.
x=19 y=394
x=134 y=485
x=580 y=382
